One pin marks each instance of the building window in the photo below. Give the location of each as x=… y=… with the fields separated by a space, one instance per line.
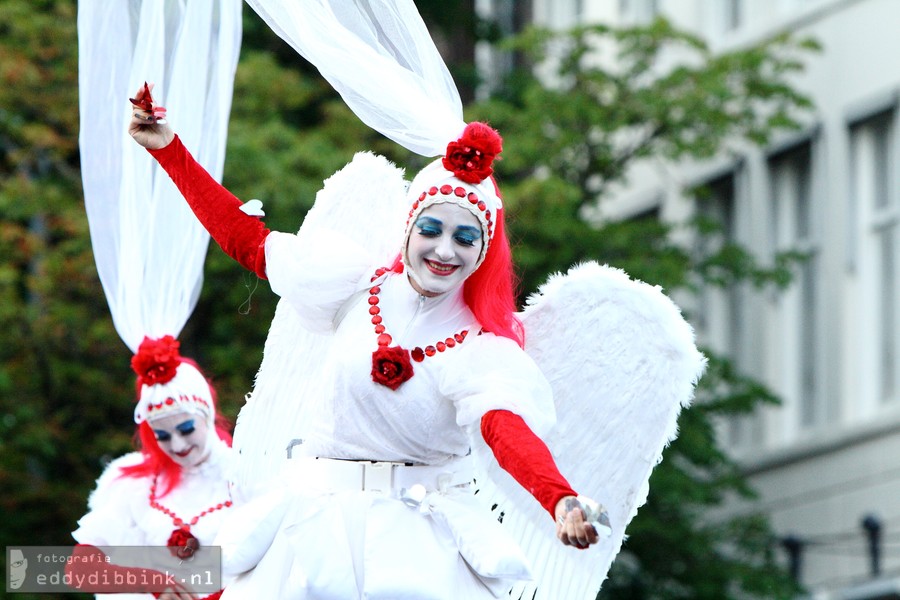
x=875 y=197
x=716 y=207
x=733 y=13
x=639 y=11
x=721 y=314
x=793 y=229
x=555 y=14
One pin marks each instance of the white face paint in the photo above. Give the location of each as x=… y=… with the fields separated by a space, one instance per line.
x=183 y=436
x=443 y=248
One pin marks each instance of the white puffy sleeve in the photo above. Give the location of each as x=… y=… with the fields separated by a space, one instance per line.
x=316 y=272
x=492 y=373
x=109 y=520
x=355 y=225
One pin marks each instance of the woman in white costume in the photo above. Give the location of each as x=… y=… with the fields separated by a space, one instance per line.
x=149 y=254
x=425 y=350
x=172 y=492
x=393 y=371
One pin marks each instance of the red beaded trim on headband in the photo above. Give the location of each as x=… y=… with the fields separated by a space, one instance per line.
x=182 y=398
x=459 y=192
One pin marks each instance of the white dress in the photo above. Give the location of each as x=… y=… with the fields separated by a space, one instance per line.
x=120 y=513
x=359 y=544
x=618 y=356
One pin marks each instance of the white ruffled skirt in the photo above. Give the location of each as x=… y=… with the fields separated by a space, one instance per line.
x=296 y=544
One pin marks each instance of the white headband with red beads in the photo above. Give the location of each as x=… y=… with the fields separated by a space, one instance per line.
x=167 y=384
x=405 y=92
x=463 y=176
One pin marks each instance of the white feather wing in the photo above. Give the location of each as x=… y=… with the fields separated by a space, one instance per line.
x=622 y=363
x=366 y=197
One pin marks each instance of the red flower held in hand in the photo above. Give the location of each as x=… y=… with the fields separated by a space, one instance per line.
x=183 y=544
x=156 y=360
x=391 y=366
x=144 y=101
x=471 y=156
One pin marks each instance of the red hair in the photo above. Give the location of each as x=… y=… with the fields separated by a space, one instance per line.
x=158 y=463
x=490 y=292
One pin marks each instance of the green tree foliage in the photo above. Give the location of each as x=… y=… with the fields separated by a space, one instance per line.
x=607 y=98
x=63 y=372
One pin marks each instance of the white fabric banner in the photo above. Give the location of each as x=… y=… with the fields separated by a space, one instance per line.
x=380 y=57
x=148 y=246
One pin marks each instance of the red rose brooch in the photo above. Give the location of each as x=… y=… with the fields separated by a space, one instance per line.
x=183 y=544
x=391 y=366
x=156 y=360
x=471 y=156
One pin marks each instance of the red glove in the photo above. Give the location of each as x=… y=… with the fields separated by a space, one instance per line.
x=241 y=236
x=524 y=456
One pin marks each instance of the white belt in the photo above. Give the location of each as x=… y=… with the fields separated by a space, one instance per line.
x=400 y=480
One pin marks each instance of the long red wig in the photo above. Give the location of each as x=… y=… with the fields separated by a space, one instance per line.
x=490 y=292
x=157 y=463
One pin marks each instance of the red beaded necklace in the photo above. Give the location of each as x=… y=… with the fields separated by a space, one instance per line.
x=418 y=354
x=182 y=541
x=391 y=365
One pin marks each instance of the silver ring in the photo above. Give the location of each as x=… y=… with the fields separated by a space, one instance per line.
x=561 y=519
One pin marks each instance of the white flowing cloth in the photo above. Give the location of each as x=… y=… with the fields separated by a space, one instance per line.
x=380 y=57
x=148 y=246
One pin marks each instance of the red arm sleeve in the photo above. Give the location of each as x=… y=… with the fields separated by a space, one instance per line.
x=524 y=456
x=240 y=235
x=88 y=570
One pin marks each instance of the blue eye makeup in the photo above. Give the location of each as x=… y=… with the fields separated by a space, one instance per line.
x=467 y=235
x=186 y=428
x=429 y=226
x=464 y=234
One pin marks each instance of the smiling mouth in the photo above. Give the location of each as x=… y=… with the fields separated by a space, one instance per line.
x=184 y=453
x=440 y=268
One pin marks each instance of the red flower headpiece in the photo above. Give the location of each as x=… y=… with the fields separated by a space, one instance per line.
x=470 y=157
x=156 y=360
